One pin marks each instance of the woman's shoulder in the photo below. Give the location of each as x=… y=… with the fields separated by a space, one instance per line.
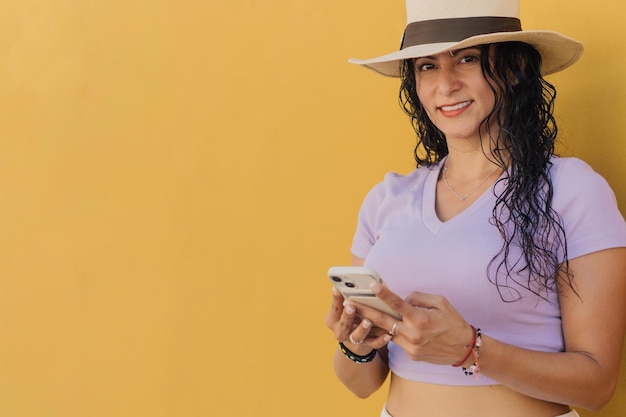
x=572 y=171
x=569 y=163
x=397 y=182
x=577 y=185
x=395 y=185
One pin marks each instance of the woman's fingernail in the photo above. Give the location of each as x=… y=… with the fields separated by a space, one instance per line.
x=366 y=324
x=336 y=291
x=375 y=287
x=349 y=308
x=387 y=337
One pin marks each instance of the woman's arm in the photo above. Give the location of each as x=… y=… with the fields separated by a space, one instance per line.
x=365 y=378
x=594 y=321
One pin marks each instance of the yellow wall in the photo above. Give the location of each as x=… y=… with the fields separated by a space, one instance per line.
x=176 y=177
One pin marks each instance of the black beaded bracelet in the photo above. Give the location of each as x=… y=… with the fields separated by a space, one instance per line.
x=357 y=358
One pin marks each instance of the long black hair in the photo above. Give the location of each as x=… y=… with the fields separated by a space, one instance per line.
x=523 y=147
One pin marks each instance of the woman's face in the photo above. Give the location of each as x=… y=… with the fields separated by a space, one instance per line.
x=454 y=92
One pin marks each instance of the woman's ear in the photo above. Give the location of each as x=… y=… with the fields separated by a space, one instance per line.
x=513 y=76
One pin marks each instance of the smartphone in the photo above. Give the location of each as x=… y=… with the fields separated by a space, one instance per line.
x=354 y=283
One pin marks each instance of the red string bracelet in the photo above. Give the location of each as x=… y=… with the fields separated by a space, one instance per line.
x=475 y=367
x=470 y=345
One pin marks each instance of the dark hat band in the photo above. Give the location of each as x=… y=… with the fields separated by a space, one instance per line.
x=455 y=30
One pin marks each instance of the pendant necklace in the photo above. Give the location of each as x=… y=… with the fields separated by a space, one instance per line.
x=463 y=197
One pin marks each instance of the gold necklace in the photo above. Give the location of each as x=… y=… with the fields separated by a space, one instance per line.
x=463 y=197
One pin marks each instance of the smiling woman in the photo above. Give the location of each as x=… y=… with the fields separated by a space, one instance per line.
x=492 y=250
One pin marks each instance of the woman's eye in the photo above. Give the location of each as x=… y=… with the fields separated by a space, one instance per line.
x=470 y=58
x=424 y=67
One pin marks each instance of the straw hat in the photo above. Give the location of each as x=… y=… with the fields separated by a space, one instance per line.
x=435 y=26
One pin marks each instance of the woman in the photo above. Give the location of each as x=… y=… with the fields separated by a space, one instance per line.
x=506 y=263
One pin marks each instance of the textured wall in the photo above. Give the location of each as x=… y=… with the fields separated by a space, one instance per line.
x=176 y=177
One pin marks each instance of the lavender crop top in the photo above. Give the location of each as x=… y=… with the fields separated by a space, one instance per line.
x=401 y=237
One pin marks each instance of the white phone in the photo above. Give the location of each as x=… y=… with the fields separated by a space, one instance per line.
x=354 y=283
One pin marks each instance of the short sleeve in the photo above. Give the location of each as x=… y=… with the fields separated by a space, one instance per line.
x=365 y=235
x=373 y=210
x=588 y=207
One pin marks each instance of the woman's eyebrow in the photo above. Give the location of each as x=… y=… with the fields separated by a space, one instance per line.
x=456 y=51
x=451 y=52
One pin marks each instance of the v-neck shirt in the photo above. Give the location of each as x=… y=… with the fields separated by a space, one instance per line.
x=401 y=237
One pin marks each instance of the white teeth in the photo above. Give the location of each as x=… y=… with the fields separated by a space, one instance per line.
x=456 y=106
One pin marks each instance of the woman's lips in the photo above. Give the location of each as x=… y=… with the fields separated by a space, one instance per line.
x=454 y=109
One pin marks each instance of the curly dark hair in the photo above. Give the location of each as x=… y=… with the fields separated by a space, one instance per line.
x=523 y=146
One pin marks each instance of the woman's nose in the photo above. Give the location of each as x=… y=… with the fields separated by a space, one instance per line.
x=448 y=81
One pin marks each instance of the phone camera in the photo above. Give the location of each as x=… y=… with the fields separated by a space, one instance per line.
x=350 y=285
x=336 y=279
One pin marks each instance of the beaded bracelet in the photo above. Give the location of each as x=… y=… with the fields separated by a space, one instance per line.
x=357 y=358
x=475 y=367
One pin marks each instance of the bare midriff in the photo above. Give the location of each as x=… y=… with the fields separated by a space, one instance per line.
x=417 y=399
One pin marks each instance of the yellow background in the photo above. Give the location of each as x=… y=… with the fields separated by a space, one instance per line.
x=177 y=176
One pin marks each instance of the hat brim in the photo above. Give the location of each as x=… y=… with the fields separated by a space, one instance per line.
x=557 y=51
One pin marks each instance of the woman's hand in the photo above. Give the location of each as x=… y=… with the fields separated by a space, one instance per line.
x=431 y=330
x=351 y=329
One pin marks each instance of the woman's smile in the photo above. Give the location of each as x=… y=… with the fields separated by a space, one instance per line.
x=452 y=110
